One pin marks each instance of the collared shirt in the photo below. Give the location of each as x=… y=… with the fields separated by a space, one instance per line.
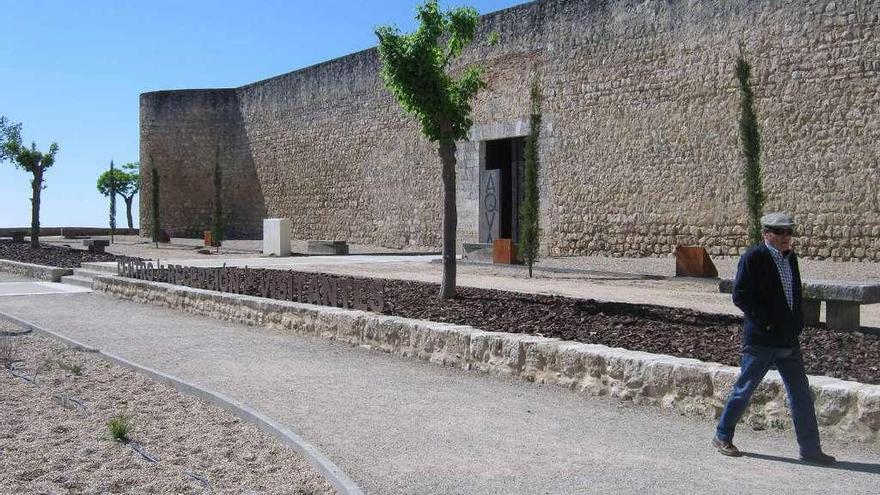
x=784 y=266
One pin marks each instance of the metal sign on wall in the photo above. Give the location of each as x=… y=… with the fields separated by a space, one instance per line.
x=490 y=205
x=309 y=288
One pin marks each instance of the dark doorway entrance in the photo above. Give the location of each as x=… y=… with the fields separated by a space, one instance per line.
x=505 y=156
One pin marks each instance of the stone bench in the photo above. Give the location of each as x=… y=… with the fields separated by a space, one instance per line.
x=326 y=247
x=96 y=245
x=843 y=300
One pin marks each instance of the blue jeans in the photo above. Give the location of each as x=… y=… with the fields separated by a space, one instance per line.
x=756 y=361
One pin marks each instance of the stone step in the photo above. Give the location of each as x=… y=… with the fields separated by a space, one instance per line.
x=77 y=280
x=89 y=273
x=103 y=267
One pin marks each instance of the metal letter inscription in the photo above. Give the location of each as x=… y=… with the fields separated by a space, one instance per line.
x=490 y=182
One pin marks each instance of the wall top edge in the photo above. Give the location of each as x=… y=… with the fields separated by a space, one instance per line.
x=365 y=53
x=185 y=92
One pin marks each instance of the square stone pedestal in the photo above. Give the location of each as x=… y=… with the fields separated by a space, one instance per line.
x=276 y=237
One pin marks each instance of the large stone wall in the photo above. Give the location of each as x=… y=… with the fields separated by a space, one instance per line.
x=639 y=144
x=184 y=133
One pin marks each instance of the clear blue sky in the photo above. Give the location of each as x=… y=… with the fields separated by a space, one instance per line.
x=71 y=72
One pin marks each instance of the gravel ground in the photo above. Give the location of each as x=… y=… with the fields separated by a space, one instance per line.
x=49 y=255
x=50 y=444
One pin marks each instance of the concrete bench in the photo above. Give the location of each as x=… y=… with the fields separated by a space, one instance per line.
x=96 y=245
x=843 y=300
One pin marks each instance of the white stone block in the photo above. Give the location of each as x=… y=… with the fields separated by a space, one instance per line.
x=276 y=237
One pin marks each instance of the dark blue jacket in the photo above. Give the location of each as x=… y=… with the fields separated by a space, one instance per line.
x=757 y=291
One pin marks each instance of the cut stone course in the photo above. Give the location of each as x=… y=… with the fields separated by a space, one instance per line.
x=847 y=410
x=39 y=272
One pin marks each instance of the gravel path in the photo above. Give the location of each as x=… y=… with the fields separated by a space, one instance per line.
x=399 y=426
x=54 y=436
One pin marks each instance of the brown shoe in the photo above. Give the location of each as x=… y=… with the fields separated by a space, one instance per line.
x=726 y=448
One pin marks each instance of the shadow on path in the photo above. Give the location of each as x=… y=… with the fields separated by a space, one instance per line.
x=860 y=467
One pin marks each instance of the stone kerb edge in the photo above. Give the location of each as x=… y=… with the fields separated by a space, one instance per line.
x=330 y=471
x=40 y=272
x=845 y=410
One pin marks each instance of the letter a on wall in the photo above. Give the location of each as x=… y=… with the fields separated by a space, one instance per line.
x=490 y=203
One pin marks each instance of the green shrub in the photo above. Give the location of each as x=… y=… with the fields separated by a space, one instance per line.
x=750 y=138
x=119 y=427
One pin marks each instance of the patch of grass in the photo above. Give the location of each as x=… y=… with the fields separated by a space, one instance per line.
x=73 y=368
x=119 y=428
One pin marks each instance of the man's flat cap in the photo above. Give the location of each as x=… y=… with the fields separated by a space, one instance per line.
x=777 y=219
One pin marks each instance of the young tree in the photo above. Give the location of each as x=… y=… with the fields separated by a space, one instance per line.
x=750 y=137
x=529 y=228
x=154 y=195
x=127 y=182
x=217 y=226
x=30 y=160
x=112 y=202
x=414 y=69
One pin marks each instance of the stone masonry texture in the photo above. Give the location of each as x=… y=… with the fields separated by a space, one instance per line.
x=639 y=147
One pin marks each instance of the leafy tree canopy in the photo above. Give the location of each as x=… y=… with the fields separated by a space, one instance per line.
x=9 y=133
x=127 y=180
x=30 y=159
x=414 y=69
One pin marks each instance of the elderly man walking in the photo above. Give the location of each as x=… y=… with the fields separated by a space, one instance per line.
x=767 y=289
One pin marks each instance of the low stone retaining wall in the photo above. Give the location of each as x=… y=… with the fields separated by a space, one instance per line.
x=846 y=410
x=41 y=272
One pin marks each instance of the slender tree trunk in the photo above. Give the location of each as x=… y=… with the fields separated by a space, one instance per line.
x=36 y=188
x=450 y=218
x=128 y=201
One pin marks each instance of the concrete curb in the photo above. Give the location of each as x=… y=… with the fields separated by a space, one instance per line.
x=331 y=472
x=846 y=410
x=40 y=272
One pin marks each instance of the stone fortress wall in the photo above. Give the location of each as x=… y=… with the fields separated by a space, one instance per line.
x=638 y=148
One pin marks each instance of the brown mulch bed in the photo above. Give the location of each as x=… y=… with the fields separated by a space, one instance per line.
x=657 y=329
x=61 y=257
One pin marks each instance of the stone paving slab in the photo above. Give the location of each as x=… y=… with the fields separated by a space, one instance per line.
x=32 y=288
x=402 y=426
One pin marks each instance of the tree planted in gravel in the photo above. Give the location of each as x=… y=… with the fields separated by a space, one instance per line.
x=750 y=137
x=31 y=160
x=217 y=227
x=529 y=230
x=127 y=182
x=414 y=69
x=154 y=196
